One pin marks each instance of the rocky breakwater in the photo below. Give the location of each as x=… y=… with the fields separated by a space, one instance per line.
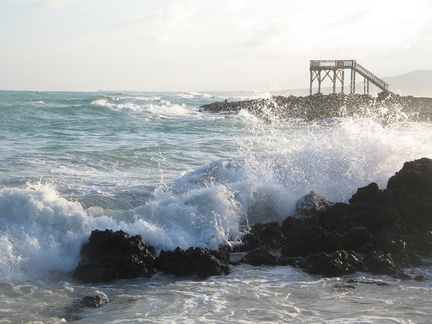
x=378 y=231
x=386 y=105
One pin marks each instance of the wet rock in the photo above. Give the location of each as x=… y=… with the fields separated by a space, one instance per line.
x=194 y=261
x=367 y=195
x=92 y=301
x=381 y=263
x=320 y=106
x=412 y=191
x=260 y=256
x=311 y=204
x=358 y=239
x=112 y=255
x=267 y=235
x=415 y=177
x=379 y=231
x=384 y=230
x=305 y=236
x=338 y=263
x=75 y=311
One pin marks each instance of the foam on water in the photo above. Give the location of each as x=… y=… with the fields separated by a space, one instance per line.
x=153 y=107
x=42 y=232
x=183 y=178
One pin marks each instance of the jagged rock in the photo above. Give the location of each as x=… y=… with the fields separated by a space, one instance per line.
x=367 y=195
x=194 y=261
x=381 y=263
x=311 y=204
x=263 y=235
x=112 y=255
x=415 y=176
x=305 y=236
x=336 y=264
x=386 y=230
x=358 y=239
x=379 y=231
x=260 y=256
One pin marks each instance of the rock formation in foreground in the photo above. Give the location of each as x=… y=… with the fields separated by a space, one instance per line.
x=112 y=255
x=378 y=231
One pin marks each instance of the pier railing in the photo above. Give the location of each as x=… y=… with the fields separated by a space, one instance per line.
x=371 y=77
x=338 y=67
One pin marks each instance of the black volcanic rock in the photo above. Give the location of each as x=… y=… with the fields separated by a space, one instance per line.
x=379 y=231
x=201 y=262
x=112 y=255
x=260 y=256
x=336 y=264
x=263 y=235
x=311 y=204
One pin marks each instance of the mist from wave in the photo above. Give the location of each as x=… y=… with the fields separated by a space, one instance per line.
x=214 y=204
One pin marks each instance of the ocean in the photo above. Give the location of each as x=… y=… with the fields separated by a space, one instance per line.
x=154 y=164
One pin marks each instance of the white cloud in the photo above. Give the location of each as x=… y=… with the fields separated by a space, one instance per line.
x=50 y=4
x=167 y=24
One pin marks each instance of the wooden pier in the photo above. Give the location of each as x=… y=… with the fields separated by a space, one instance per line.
x=335 y=71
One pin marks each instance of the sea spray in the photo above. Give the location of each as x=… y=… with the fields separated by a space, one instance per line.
x=187 y=179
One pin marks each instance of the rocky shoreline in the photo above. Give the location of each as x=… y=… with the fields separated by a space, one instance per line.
x=386 y=105
x=378 y=231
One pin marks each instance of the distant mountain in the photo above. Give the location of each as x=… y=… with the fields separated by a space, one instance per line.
x=417 y=83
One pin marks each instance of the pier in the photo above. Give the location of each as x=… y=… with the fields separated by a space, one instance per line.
x=335 y=71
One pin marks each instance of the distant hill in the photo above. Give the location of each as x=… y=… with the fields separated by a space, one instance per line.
x=417 y=83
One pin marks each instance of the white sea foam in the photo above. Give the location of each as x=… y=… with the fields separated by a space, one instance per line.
x=161 y=109
x=126 y=106
x=252 y=171
x=41 y=232
x=190 y=95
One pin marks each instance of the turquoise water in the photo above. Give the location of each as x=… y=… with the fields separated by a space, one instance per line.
x=153 y=164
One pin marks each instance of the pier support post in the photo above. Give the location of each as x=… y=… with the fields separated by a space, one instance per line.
x=352 y=84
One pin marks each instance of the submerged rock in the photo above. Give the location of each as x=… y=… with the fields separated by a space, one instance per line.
x=75 y=311
x=92 y=301
x=112 y=255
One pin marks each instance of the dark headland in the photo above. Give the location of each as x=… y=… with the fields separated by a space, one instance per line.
x=386 y=105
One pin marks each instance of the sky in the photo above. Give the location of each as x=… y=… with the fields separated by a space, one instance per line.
x=203 y=45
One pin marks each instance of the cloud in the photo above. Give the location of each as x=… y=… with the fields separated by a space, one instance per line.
x=50 y=4
x=163 y=25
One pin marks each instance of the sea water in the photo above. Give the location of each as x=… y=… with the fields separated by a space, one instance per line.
x=154 y=164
